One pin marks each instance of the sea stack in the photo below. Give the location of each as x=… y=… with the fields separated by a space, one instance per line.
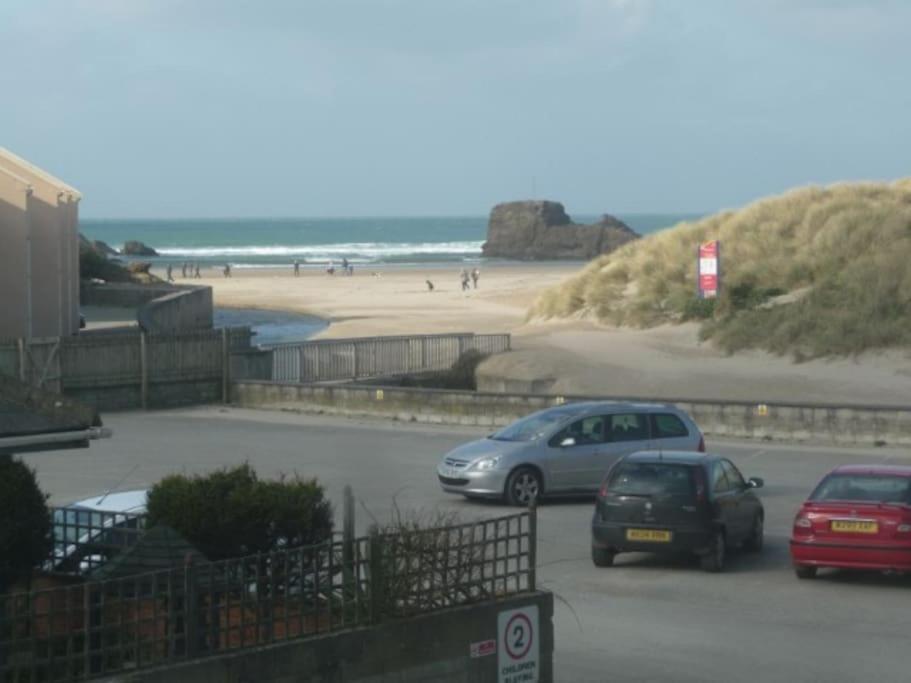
x=542 y=230
x=136 y=248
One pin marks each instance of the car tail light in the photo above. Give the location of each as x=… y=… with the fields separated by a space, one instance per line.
x=700 y=484
x=602 y=492
x=802 y=525
x=701 y=446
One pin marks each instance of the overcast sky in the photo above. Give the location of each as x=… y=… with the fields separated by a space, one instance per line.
x=185 y=108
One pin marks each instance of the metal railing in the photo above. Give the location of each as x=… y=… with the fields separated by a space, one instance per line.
x=78 y=632
x=363 y=358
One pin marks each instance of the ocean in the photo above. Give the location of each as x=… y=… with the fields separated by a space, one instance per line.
x=315 y=242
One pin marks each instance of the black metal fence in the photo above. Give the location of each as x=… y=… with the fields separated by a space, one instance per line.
x=84 y=539
x=77 y=632
x=347 y=359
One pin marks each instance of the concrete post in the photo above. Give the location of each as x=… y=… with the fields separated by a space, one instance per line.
x=225 y=367
x=22 y=368
x=532 y=543
x=144 y=371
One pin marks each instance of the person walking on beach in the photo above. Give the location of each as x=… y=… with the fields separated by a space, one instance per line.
x=197 y=270
x=170 y=273
x=227 y=270
x=183 y=270
x=475 y=276
x=297 y=268
x=464 y=277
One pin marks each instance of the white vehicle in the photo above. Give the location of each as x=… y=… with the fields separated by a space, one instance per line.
x=87 y=531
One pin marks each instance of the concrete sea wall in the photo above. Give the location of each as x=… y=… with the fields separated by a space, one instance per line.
x=821 y=423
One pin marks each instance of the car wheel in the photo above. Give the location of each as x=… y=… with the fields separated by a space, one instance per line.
x=754 y=542
x=804 y=572
x=602 y=557
x=714 y=560
x=523 y=486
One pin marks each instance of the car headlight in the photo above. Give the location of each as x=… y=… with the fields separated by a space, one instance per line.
x=487 y=463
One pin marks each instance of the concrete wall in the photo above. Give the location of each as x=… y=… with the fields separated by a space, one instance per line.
x=819 y=422
x=53 y=221
x=190 y=308
x=433 y=647
x=15 y=197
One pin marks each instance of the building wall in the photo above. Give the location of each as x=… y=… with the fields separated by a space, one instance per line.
x=14 y=235
x=54 y=225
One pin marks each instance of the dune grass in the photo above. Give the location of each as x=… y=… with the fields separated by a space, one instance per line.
x=817 y=271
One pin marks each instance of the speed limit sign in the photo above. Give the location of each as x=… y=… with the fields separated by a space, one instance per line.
x=517 y=645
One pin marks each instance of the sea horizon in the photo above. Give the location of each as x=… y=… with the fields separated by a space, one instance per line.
x=374 y=241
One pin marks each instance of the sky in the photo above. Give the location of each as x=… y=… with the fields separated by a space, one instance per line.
x=220 y=108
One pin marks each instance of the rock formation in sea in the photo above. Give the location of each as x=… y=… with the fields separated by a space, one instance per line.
x=540 y=230
x=136 y=248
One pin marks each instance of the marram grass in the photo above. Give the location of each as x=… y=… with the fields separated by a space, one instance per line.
x=817 y=271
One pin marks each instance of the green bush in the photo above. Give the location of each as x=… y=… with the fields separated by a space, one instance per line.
x=698 y=309
x=461 y=376
x=231 y=512
x=25 y=522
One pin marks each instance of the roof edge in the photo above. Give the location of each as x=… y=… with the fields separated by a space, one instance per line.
x=41 y=173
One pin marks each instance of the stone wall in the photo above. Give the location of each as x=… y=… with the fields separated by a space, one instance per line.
x=434 y=647
x=820 y=423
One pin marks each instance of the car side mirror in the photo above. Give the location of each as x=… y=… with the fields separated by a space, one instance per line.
x=568 y=441
x=755 y=483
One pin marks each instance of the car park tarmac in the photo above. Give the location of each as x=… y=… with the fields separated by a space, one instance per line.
x=645 y=619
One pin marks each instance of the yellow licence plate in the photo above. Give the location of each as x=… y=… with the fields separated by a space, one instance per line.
x=652 y=535
x=854 y=527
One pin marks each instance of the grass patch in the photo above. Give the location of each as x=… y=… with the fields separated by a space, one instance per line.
x=846 y=246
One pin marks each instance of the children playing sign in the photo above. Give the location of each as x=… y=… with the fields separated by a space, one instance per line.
x=708 y=269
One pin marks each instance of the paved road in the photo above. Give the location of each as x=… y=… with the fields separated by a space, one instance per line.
x=644 y=620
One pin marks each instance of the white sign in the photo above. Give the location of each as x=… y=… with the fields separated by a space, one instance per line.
x=517 y=645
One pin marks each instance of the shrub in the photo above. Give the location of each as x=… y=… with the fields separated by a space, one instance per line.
x=25 y=522
x=698 y=309
x=231 y=512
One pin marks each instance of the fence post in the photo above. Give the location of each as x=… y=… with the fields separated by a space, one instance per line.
x=225 y=367
x=143 y=371
x=21 y=344
x=377 y=579
x=191 y=620
x=532 y=543
x=349 y=571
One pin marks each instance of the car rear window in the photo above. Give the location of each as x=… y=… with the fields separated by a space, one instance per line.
x=650 y=479
x=872 y=488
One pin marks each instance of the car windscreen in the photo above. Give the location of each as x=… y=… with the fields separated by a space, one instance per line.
x=651 y=479
x=864 y=488
x=534 y=426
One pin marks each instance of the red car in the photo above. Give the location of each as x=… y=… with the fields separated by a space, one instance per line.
x=859 y=517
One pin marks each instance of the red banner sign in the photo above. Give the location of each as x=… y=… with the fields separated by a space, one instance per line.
x=708 y=269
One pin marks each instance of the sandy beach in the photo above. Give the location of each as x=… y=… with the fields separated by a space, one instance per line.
x=396 y=301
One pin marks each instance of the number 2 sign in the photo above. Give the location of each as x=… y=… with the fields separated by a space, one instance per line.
x=517 y=645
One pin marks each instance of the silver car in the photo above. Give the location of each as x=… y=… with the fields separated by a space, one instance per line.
x=563 y=450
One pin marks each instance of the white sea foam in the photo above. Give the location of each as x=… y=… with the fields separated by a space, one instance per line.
x=354 y=251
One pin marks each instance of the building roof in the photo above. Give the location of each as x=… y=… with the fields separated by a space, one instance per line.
x=157 y=549
x=29 y=168
x=34 y=419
